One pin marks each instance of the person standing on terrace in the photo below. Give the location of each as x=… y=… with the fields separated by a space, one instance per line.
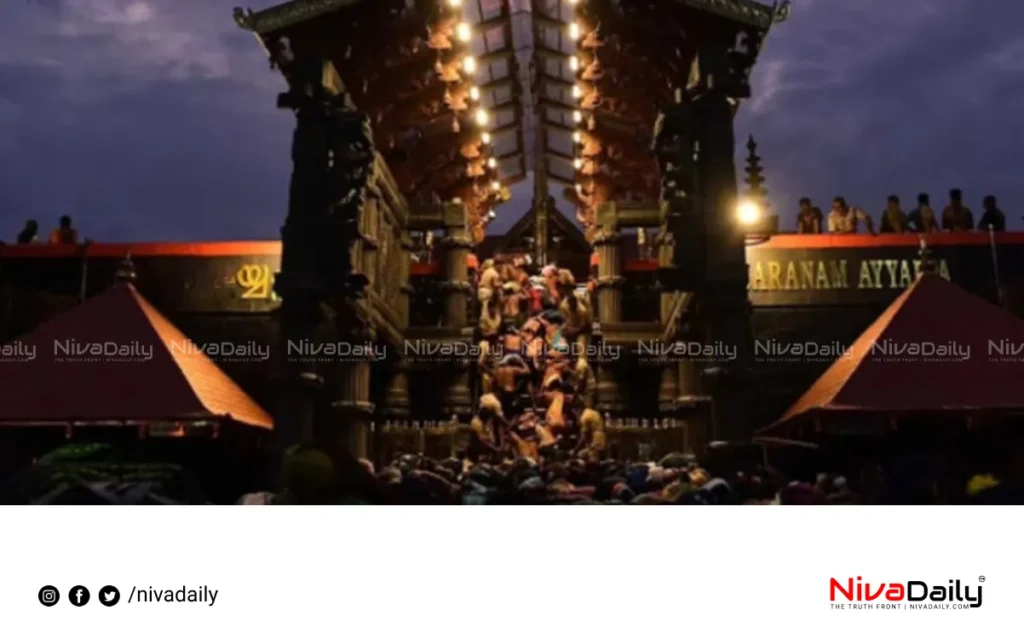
x=894 y=220
x=993 y=218
x=809 y=220
x=29 y=234
x=922 y=219
x=847 y=219
x=64 y=234
x=956 y=216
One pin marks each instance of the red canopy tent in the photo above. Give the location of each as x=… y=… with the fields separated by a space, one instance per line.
x=115 y=360
x=937 y=350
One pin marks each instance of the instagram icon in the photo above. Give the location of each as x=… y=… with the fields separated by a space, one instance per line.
x=49 y=596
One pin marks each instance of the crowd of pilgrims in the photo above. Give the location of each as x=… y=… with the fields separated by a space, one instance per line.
x=536 y=438
x=956 y=217
x=537 y=386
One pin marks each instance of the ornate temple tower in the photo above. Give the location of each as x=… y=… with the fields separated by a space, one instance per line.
x=755 y=175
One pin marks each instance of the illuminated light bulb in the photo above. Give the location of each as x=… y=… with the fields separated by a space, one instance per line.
x=748 y=212
x=577 y=137
x=491 y=214
x=463 y=32
x=455 y=4
x=574 y=63
x=577 y=92
x=485 y=138
x=474 y=93
x=577 y=116
x=573 y=3
x=496 y=185
x=469 y=65
x=574 y=31
x=482 y=117
x=577 y=164
x=492 y=162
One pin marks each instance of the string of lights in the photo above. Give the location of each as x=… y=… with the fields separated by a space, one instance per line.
x=582 y=93
x=483 y=168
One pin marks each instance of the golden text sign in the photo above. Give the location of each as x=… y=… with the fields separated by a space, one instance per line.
x=256 y=282
x=837 y=274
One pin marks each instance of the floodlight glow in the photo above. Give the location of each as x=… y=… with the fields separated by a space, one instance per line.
x=748 y=212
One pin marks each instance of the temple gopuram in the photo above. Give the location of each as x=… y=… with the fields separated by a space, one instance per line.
x=360 y=328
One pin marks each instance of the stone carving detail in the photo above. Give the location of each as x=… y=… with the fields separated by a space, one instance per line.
x=351 y=163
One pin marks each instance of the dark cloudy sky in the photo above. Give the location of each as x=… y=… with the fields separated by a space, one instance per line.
x=155 y=119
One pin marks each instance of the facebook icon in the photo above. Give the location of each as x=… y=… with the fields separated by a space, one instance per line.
x=79 y=596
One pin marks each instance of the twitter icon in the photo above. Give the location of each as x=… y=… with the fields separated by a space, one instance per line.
x=109 y=596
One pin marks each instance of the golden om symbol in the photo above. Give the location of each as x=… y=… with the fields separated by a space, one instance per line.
x=255 y=280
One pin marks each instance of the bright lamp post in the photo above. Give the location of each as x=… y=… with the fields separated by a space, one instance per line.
x=749 y=213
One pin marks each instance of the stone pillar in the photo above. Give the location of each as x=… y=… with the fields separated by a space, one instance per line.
x=609 y=392
x=396 y=400
x=607 y=243
x=301 y=281
x=366 y=248
x=664 y=244
x=457 y=244
x=458 y=397
x=668 y=392
x=406 y=247
x=349 y=382
x=725 y=308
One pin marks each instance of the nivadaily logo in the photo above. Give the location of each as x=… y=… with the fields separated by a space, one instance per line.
x=913 y=594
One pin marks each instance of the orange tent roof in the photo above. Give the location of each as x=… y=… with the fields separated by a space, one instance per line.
x=115 y=358
x=936 y=349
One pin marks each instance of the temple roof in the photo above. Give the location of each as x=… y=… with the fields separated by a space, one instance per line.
x=930 y=352
x=573 y=89
x=523 y=229
x=115 y=358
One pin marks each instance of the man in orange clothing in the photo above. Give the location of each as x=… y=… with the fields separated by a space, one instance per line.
x=64 y=234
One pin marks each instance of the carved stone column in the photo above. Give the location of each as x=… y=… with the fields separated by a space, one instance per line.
x=695 y=146
x=301 y=281
x=396 y=403
x=664 y=243
x=609 y=392
x=607 y=243
x=349 y=389
x=405 y=289
x=668 y=391
x=457 y=245
x=366 y=248
x=725 y=307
